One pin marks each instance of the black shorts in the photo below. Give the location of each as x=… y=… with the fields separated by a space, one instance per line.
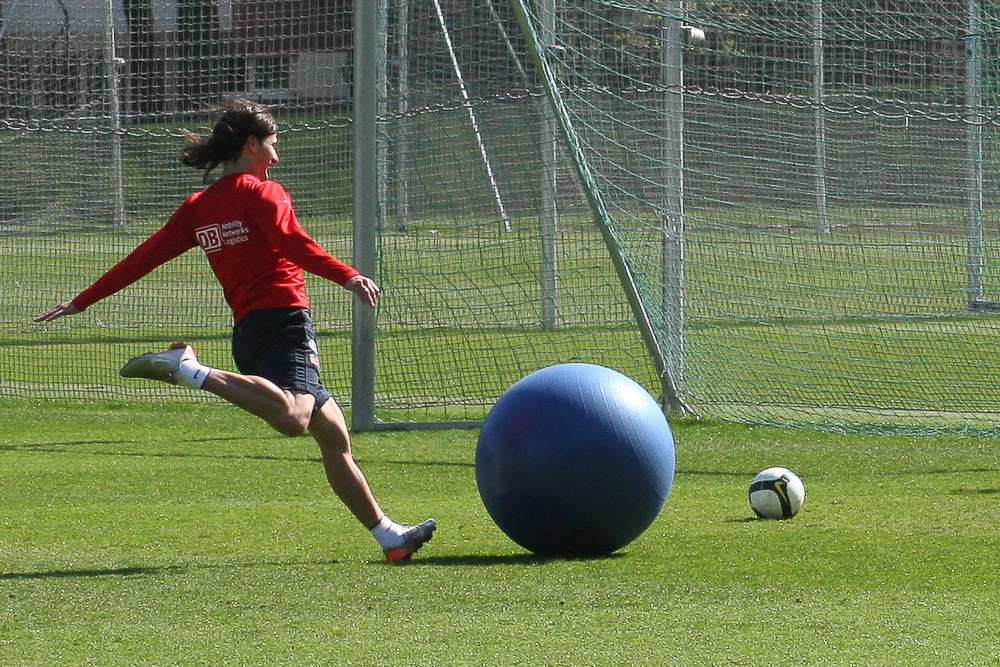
x=279 y=344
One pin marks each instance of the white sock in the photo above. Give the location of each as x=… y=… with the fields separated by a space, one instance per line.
x=192 y=373
x=388 y=533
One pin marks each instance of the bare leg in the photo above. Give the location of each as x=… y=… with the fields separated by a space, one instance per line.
x=329 y=428
x=287 y=412
x=291 y=413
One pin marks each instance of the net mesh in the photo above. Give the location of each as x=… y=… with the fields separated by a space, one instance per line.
x=492 y=263
x=839 y=206
x=94 y=99
x=805 y=204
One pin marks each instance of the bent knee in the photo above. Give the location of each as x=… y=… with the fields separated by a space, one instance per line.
x=295 y=421
x=290 y=425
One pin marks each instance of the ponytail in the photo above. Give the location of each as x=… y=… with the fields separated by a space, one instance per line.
x=240 y=120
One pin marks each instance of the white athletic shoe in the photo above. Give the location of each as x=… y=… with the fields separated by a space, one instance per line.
x=161 y=366
x=414 y=538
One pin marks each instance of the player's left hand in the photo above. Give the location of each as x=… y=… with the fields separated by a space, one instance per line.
x=64 y=308
x=365 y=288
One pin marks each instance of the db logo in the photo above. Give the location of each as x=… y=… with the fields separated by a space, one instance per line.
x=209 y=237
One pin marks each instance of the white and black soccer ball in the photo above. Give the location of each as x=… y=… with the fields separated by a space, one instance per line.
x=777 y=493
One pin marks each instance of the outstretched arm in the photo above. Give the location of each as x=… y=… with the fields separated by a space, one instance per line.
x=158 y=249
x=64 y=308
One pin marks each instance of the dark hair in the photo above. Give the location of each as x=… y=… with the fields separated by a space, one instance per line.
x=240 y=119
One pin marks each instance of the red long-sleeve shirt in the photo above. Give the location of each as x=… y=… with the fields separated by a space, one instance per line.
x=254 y=244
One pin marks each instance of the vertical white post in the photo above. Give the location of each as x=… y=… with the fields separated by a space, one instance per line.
x=548 y=148
x=113 y=64
x=974 y=148
x=672 y=215
x=381 y=103
x=819 y=116
x=549 y=185
x=366 y=212
x=403 y=107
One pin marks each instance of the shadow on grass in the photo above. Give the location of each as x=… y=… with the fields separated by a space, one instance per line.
x=109 y=572
x=121 y=450
x=975 y=492
x=497 y=559
x=470 y=560
x=148 y=571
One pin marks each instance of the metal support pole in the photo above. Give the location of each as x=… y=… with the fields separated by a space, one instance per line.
x=549 y=186
x=672 y=214
x=974 y=148
x=819 y=115
x=366 y=213
x=113 y=64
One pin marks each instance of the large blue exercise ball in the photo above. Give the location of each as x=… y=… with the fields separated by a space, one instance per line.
x=575 y=460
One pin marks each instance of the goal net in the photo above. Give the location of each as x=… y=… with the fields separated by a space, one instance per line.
x=838 y=207
x=792 y=222
x=94 y=98
x=800 y=212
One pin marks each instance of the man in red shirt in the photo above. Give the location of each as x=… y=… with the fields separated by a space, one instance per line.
x=254 y=243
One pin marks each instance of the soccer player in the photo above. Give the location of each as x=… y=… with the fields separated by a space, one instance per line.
x=247 y=228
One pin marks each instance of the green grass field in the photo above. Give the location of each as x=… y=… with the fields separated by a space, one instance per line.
x=185 y=534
